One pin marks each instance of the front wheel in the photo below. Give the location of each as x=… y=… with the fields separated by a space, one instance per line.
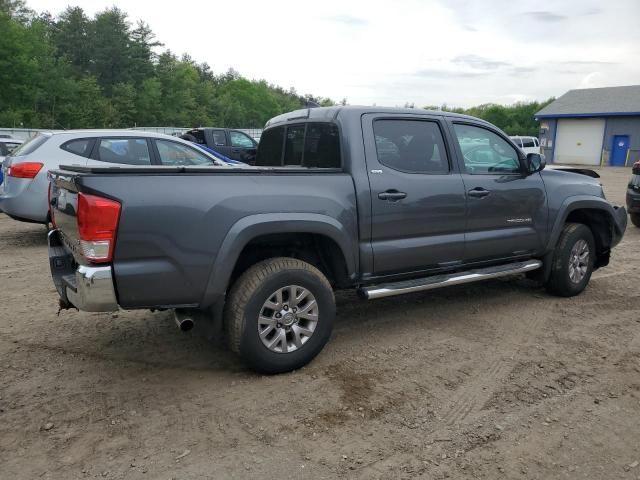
x=573 y=261
x=279 y=314
x=635 y=219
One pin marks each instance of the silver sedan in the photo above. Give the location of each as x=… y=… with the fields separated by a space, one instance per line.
x=23 y=193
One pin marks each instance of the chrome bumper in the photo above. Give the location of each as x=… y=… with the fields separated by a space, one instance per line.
x=87 y=288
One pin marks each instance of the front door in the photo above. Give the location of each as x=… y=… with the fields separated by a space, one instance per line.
x=243 y=147
x=417 y=195
x=506 y=209
x=619 y=150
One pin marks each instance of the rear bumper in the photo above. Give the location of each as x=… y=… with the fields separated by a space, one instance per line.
x=87 y=288
x=24 y=201
x=633 y=200
x=620 y=220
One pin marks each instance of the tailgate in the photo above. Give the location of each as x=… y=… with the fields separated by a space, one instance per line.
x=63 y=201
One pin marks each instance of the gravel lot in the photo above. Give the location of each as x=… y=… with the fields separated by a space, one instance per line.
x=493 y=380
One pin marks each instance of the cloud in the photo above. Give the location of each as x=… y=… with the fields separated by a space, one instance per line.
x=436 y=73
x=546 y=16
x=478 y=62
x=349 y=20
x=587 y=62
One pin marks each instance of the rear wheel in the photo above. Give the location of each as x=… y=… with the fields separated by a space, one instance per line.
x=573 y=261
x=635 y=219
x=279 y=314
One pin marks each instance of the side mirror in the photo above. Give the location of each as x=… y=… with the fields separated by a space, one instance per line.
x=535 y=163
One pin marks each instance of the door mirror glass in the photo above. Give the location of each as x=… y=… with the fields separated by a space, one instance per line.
x=535 y=162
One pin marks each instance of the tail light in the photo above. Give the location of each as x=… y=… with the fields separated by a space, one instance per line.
x=97 y=224
x=24 y=170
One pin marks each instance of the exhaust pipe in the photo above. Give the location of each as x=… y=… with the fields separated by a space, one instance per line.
x=183 y=320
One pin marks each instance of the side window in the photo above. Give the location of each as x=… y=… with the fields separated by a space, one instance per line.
x=322 y=146
x=81 y=147
x=485 y=152
x=528 y=142
x=242 y=140
x=294 y=145
x=130 y=151
x=412 y=146
x=174 y=153
x=270 y=148
x=219 y=138
x=536 y=142
x=11 y=147
x=198 y=135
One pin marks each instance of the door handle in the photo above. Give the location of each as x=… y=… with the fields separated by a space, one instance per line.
x=478 y=192
x=392 y=195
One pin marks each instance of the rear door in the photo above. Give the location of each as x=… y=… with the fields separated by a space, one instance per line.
x=417 y=194
x=217 y=140
x=506 y=209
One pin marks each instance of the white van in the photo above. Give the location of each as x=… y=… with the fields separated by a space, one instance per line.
x=527 y=144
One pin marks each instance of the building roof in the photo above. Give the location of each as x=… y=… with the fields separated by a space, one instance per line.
x=595 y=102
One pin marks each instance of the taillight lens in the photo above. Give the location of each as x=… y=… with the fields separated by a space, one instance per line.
x=24 y=170
x=97 y=224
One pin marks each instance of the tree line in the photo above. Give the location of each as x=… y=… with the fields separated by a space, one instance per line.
x=75 y=71
x=516 y=119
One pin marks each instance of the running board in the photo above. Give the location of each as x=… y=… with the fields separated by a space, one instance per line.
x=444 y=280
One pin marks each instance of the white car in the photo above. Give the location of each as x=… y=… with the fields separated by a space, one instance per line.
x=23 y=194
x=527 y=144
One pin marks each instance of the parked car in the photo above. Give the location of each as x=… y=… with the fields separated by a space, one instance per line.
x=380 y=200
x=527 y=144
x=633 y=195
x=233 y=144
x=23 y=194
x=7 y=145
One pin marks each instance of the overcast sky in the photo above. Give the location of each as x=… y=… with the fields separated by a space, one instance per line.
x=430 y=52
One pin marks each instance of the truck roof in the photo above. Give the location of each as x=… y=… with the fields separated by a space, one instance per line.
x=328 y=114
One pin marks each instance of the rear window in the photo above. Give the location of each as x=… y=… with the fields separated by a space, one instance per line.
x=312 y=145
x=30 y=146
x=294 y=145
x=130 y=151
x=81 y=146
x=270 y=147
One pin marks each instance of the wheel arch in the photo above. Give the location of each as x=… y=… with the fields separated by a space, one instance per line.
x=260 y=229
x=595 y=213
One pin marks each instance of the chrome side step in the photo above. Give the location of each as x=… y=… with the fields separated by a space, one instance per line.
x=444 y=280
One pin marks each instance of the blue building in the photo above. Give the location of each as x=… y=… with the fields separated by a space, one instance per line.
x=593 y=126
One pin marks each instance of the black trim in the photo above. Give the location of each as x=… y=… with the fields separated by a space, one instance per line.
x=187 y=169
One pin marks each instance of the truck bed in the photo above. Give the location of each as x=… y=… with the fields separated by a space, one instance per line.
x=176 y=221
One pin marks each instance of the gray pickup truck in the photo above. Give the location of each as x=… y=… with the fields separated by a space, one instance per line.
x=385 y=201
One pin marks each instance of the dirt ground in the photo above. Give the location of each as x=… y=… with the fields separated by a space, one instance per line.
x=492 y=380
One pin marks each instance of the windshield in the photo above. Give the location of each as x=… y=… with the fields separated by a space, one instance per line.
x=30 y=145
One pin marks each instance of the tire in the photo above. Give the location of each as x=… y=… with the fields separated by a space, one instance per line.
x=249 y=304
x=635 y=219
x=570 y=274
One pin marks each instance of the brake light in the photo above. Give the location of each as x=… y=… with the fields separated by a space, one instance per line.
x=24 y=170
x=97 y=224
